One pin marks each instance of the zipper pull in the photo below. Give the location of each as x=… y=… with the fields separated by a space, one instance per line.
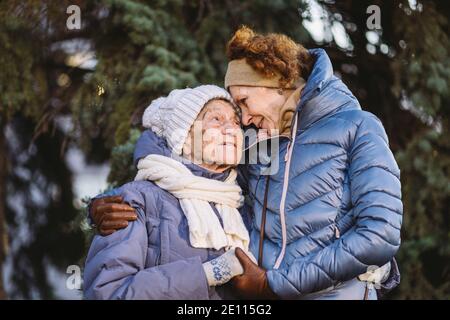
x=287 y=151
x=337 y=233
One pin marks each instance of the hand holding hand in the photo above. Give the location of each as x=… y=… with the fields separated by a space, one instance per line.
x=252 y=284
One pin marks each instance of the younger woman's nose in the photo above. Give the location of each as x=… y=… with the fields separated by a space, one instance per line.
x=246 y=118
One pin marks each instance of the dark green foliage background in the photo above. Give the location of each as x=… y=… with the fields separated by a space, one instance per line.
x=147 y=48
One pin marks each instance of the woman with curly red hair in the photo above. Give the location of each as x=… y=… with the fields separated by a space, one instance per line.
x=333 y=209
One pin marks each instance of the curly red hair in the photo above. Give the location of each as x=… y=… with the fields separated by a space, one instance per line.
x=271 y=54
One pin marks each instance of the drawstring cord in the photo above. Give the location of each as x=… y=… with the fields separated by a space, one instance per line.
x=288 y=157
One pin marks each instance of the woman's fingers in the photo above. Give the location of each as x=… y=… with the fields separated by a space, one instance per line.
x=113 y=221
x=120 y=216
x=111 y=214
x=115 y=199
x=114 y=224
x=113 y=207
x=243 y=258
x=110 y=225
x=126 y=215
x=109 y=199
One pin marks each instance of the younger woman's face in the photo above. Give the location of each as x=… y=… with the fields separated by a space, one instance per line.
x=260 y=106
x=216 y=135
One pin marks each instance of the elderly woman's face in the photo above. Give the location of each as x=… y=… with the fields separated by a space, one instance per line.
x=260 y=106
x=216 y=135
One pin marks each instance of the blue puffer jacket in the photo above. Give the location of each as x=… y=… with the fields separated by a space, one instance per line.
x=337 y=210
x=152 y=258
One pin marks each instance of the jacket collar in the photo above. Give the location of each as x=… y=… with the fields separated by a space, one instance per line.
x=320 y=97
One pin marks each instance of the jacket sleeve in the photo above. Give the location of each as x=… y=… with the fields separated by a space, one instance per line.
x=377 y=209
x=116 y=264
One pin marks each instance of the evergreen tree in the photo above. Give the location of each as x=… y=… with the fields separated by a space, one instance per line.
x=36 y=198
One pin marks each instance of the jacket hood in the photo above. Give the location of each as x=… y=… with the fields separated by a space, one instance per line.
x=150 y=143
x=324 y=93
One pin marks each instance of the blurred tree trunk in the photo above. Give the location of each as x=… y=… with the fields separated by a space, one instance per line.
x=3 y=174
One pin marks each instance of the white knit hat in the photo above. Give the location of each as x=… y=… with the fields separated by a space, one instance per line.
x=172 y=117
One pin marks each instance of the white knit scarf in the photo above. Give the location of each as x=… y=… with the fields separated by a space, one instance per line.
x=194 y=194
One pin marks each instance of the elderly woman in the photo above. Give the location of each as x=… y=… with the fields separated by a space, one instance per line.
x=185 y=195
x=333 y=210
